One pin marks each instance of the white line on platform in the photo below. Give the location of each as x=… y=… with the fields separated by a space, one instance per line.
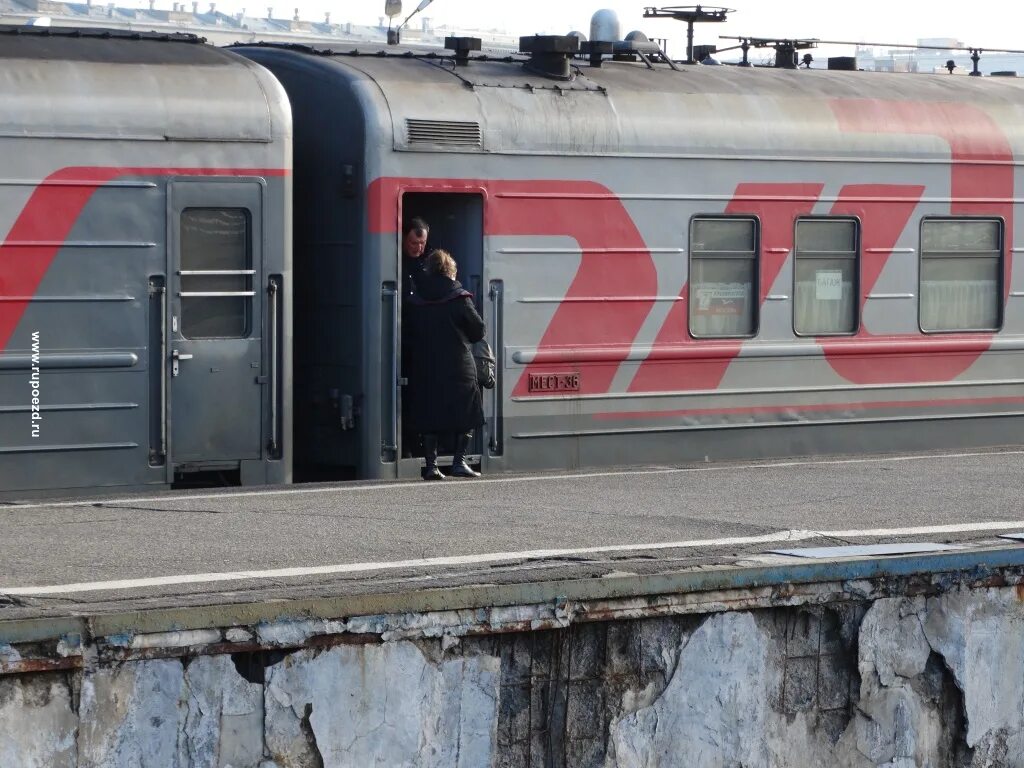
x=493 y=557
x=129 y=501
x=923 y=530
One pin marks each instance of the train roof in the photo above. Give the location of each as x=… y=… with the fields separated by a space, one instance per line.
x=101 y=83
x=627 y=107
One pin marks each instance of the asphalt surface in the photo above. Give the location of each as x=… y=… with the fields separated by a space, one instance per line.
x=657 y=519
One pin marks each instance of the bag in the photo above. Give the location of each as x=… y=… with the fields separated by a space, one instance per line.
x=486 y=366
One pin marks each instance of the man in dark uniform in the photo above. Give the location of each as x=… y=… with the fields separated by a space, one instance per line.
x=414 y=245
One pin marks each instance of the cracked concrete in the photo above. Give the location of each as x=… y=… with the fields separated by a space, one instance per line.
x=982 y=642
x=224 y=724
x=163 y=713
x=724 y=705
x=37 y=723
x=895 y=682
x=387 y=705
x=130 y=715
x=942 y=681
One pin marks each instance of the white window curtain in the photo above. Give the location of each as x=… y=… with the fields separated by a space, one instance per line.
x=826 y=267
x=961 y=267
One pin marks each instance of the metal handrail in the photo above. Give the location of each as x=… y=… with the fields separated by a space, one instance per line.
x=189 y=272
x=495 y=295
x=272 y=311
x=391 y=443
x=214 y=294
x=162 y=290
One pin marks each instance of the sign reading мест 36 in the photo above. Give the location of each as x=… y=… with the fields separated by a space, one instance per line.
x=554 y=382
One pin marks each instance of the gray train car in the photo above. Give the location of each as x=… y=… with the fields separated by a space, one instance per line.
x=145 y=263
x=673 y=265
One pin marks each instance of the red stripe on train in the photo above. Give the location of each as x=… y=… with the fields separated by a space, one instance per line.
x=879 y=348
x=808 y=408
x=599 y=223
x=981 y=183
x=775 y=205
x=51 y=213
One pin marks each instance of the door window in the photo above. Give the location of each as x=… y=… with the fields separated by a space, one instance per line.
x=216 y=273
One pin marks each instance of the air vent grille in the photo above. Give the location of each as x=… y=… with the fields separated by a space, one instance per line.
x=452 y=133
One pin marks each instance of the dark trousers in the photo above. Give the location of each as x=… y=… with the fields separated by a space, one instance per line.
x=461 y=446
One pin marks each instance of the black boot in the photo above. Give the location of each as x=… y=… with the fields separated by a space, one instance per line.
x=430 y=471
x=459 y=466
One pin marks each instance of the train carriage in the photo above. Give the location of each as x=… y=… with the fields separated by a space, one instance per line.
x=144 y=263
x=673 y=265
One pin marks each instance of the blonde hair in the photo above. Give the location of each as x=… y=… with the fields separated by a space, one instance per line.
x=440 y=262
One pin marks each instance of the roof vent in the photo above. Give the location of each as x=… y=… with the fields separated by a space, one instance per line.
x=645 y=50
x=848 y=63
x=550 y=54
x=462 y=46
x=628 y=47
x=1004 y=73
x=451 y=133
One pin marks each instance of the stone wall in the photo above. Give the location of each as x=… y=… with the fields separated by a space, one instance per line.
x=900 y=682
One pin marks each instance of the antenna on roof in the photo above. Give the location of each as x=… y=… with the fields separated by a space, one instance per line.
x=395 y=35
x=975 y=51
x=691 y=14
x=392 y=8
x=785 y=50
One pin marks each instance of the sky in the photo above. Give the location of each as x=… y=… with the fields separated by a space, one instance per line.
x=998 y=24
x=823 y=19
x=887 y=21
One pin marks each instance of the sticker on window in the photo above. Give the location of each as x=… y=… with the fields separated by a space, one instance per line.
x=828 y=285
x=721 y=300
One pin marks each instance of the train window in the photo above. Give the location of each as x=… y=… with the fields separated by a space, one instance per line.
x=216 y=273
x=825 y=272
x=961 y=274
x=723 y=276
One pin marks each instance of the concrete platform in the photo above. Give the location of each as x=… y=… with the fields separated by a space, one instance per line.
x=236 y=547
x=813 y=613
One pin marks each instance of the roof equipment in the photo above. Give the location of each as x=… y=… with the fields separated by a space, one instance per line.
x=691 y=14
x=550 y=54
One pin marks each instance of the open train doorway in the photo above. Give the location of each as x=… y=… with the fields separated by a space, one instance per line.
x=456 y=224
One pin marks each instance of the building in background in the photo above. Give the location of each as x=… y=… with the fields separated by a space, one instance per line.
x=222 y=28
x=933 y=58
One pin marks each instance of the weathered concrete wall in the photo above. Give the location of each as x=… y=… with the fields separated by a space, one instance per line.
x=900 y=682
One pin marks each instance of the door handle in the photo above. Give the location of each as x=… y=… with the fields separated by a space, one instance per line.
x=175 y=357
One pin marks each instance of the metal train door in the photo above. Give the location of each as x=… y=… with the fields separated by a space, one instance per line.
x=216 y=321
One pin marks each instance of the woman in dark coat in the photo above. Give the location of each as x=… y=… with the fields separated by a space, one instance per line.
x=443 y=389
